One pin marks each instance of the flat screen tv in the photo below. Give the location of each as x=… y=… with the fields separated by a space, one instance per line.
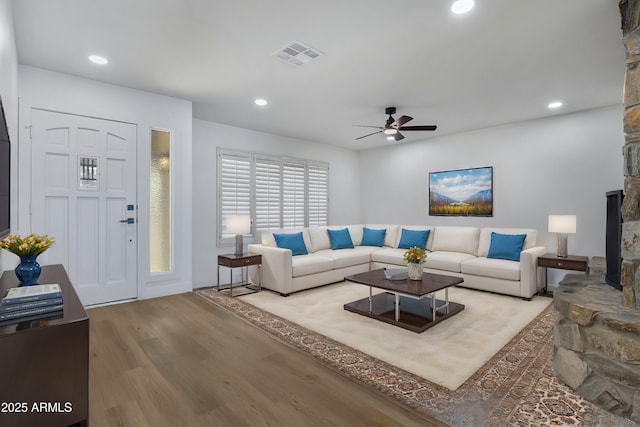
x=613 y=238
x=5 y=175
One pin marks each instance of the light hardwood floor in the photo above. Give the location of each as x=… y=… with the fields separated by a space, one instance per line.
x=180 y=361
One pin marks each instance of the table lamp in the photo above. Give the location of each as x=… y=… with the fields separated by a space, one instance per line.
x=563 y=225
x=239 y=225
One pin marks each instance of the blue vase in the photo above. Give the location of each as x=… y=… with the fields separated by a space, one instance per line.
x=28 y=271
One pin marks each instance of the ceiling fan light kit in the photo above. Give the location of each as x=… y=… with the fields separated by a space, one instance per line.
x=393 y=127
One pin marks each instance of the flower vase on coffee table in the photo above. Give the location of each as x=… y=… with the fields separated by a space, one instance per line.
x=415 y=257
x=414 y=270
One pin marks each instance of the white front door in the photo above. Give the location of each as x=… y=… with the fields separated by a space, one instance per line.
x=84 y=195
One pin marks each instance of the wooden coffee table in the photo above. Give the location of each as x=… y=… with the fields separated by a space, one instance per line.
x=409 y=304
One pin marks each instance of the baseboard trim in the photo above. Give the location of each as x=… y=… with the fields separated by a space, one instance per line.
x=162 y=290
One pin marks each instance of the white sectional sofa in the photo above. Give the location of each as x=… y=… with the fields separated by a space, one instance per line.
x=456 y=251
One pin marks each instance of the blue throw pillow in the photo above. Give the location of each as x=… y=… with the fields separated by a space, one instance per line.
x=293 y=241
x=373 y=237
x=340 y=239
x=506 y=246
x=411 y=238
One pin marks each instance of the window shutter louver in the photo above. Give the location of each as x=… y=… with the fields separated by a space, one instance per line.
x=234 y=188
x=293 y=194
x=268 y=184
x=318 y=193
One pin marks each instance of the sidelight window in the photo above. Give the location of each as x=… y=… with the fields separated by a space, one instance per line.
x=160 y=202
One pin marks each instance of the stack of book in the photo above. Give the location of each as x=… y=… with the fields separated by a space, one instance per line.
x=31 y=302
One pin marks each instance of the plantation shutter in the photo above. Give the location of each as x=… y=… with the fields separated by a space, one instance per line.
x=318 y=194
x=268 y=183
x=277 y=192
x=293 y=193
x=234 y=188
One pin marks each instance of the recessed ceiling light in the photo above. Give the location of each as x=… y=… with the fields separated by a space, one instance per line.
x=462 y=6
x=261 y=102
x=98 y=60
x=555 y=104
x=390 y=138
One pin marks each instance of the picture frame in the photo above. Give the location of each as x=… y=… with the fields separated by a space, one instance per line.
x=461 y=192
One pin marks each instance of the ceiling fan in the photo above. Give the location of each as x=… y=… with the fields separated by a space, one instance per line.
x=393 y=127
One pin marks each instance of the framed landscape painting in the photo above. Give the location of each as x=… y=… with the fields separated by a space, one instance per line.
x=463 y=192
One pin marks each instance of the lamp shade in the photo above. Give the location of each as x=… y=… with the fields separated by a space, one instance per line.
x=562 y=224
x=238 y=224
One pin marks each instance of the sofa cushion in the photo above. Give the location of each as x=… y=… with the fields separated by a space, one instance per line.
x=389 y=256
x=356 y=233
x=320 y=238
x=391 y=236
x=447 y=261
x=348 y=257
x=292 y=241
x=456 y=239
x=485 y=238
x=411 y=238
x=506 y=246
x=304 y=265
x=340 y=239
x=267 y=238
x=418 y=227
x=373 y=237
x=498 y=268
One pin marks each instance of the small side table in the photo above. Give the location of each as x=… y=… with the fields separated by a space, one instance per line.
x=232 y=261
x=571 y=262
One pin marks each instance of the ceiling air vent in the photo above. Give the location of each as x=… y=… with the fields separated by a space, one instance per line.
x=297 y=53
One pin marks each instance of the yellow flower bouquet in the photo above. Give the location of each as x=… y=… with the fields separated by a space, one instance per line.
x=27 y=248
x=31 y=245
x=415 y=255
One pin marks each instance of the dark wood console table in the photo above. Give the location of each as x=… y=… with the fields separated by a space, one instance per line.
x=45 y=363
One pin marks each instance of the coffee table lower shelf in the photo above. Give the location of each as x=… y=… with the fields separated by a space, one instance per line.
x=415 y=314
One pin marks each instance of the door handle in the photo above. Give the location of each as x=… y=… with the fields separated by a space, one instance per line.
x=128 y=220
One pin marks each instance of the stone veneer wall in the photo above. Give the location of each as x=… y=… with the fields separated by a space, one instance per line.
x=630 y=13
x=597 y=344
x=597 y=337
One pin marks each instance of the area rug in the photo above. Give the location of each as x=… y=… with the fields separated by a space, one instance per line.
x=446 y=354
x=516 y=387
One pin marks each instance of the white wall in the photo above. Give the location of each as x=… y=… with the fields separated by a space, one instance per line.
x=9 y=94
x=557 y=165
x=60 y=92
x=344 y=184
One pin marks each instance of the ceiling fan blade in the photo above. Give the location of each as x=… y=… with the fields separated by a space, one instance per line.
x=367 y=126
x=364 y=136
x=402 y=120
x=398 y=136
x=430 y=127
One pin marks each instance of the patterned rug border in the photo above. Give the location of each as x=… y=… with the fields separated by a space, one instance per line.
x=515 y=387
